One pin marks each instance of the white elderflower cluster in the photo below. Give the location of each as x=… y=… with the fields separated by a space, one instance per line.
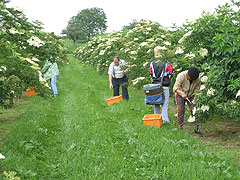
x=238 y=94
x=191 y=119
x=205 y=108
x=203 y=52
x=35 y=41
x=184 y=37
x=210 y=92
x=179 y=51
x=143 y=44
x=135 y=81
x=204 y=79
x=146 y=63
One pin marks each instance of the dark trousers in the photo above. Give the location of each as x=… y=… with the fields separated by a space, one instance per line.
x=117 y=82
x=181 y=108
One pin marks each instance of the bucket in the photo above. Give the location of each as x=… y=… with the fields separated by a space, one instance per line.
x=154 y=120
x=114 y=99
x=30 y=92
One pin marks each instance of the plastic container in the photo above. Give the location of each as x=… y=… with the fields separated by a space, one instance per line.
x=152 y=120
x=30 y=92
x=114 y=99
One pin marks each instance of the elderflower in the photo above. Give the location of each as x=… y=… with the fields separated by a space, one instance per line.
x=13 y=31
x=2 y=156
x=35 y=41
x=205 y=108
x=202 y=87
x=167 y=43
x=143 y=44
x=203 y=52
x=184 y=37
x=135 y=81
x=133 y=52
x=204 y=79
x=145 y=64
x=135 y=39
x=190 y=55
x=238 y=94
x=179 y=51
x=3 y=67
x=210 y=91
x=102 y=52
x=191 y=119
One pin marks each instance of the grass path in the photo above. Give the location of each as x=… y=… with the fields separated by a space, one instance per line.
x=78 y=136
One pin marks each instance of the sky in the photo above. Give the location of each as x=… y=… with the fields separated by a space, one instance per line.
x=55 y=14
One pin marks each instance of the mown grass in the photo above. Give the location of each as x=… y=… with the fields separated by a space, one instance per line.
x=78 y=136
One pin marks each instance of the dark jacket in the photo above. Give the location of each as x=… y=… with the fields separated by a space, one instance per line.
x=157 y=67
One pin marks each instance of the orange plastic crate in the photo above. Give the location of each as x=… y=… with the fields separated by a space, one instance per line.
x=114 y=99
x=153 y=120
x=30 y=92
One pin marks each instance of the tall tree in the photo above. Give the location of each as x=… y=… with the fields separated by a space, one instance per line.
x=73 y=31
x=86 y=24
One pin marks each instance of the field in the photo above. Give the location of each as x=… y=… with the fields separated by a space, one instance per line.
x=76 y=135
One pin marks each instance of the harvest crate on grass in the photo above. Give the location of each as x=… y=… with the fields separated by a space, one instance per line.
x=114 y=99
x=153 y=120
x=30 y=92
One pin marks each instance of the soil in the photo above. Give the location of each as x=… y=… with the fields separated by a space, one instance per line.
x=224 y=134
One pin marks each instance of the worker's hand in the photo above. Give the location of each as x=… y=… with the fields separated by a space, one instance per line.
x=110 y=86
x=124 y=72
x=195 y=101
x=184 y=96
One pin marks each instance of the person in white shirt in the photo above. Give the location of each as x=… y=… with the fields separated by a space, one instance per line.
x=117 y=77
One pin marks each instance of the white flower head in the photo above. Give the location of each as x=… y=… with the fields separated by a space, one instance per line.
x=204 y=79
x=179 y=51
x=210 y=92
x=238 y=94
x=190 y=55
x=35 y=41
x=102 y=52
x=3 y=67
x=203 y=52
x=145 y=64
x=35 y=59
x=202 y=87
x=143 y=44
x=135 y=39
x=167 y=43
x=2 y=156
x=194 y=110
x=149 y=29
x=184 y=37
x=205 y=108
x=191 y=119
x=133 y=52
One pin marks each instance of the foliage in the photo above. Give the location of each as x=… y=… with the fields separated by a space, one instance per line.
x=135 y=46
x=78 y=136
x=24 y=49
x=86 y=23
x=212 y=44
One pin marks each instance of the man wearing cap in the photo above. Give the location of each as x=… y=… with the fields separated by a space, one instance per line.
x=187 y=84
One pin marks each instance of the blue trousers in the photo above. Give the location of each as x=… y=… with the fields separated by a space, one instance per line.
x=53 y=85
x=164 y=107
x=116 y=84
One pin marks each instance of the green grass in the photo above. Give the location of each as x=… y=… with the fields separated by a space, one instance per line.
x=78 y=136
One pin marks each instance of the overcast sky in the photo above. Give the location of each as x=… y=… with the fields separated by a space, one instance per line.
x=55 y=14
